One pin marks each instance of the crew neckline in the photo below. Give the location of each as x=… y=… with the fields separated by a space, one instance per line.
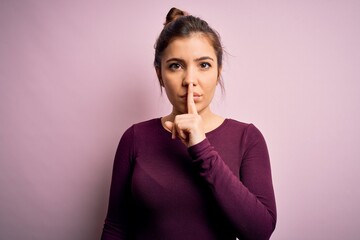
x=218 y=128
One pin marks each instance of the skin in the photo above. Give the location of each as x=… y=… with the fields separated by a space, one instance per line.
x=189 y=73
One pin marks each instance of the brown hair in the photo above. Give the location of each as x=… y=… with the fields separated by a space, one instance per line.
x=180 y=24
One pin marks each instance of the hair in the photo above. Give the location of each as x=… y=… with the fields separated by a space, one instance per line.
x=179 y=24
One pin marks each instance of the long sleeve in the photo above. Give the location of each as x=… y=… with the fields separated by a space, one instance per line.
x=247 y=200
x=217 y=189
x=118 y=219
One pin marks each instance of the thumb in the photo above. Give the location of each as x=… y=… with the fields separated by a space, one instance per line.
x=170 y=126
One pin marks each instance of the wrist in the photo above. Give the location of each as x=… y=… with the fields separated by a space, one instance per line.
x=196 y=140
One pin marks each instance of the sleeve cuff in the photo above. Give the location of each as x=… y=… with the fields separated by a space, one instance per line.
x=197 y=150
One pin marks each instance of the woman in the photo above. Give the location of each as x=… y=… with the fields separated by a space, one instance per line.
x=191 y=174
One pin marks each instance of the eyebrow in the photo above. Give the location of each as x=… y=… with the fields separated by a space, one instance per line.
x=204 y=58
x=196 y=59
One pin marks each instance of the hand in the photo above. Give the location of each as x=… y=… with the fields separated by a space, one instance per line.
x=188 y=127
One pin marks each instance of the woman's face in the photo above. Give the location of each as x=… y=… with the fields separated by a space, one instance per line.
x=189 y=60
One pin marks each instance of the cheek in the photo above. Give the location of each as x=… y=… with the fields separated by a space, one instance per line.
x=169 y=85
x=170 y=89
x=211 y=82
x=172 y=83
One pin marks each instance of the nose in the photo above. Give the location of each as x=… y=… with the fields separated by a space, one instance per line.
x=190 y=76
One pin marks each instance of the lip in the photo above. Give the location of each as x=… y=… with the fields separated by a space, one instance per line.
x=195 y=95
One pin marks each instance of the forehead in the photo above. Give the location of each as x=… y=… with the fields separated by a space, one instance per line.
x=194 y=46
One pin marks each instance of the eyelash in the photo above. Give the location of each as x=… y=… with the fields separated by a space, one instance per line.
x=176 y=66
x=208 y=65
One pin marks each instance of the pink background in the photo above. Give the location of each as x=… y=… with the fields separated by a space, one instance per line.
x=75 y=74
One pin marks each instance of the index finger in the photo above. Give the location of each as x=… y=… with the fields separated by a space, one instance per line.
x=190 y=100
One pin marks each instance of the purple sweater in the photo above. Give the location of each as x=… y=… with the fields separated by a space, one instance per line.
x=220 y=188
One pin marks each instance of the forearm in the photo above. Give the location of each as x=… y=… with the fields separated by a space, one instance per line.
x=252 y=214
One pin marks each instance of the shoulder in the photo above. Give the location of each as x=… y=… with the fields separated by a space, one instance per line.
x=237 y=126
x=248 y=136
x=146 y=127
x=134 y=135
x=232 y=123
x=146 y=123
x=249 y=132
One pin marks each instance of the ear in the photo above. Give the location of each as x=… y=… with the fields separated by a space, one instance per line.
x=158 y=73
x=219 y=74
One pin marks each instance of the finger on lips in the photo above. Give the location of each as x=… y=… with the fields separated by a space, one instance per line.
x=174 y=127
x=190 y=100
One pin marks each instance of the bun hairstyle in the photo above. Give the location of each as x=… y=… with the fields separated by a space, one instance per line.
x=173 y=14
x=179 y=24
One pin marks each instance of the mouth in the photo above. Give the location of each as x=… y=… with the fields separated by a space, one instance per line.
x=196 y=97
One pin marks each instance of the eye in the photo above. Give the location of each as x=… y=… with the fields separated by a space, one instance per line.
x=205 y=65
x=175 y=66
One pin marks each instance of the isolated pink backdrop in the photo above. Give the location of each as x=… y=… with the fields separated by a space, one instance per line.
x=75 y=74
